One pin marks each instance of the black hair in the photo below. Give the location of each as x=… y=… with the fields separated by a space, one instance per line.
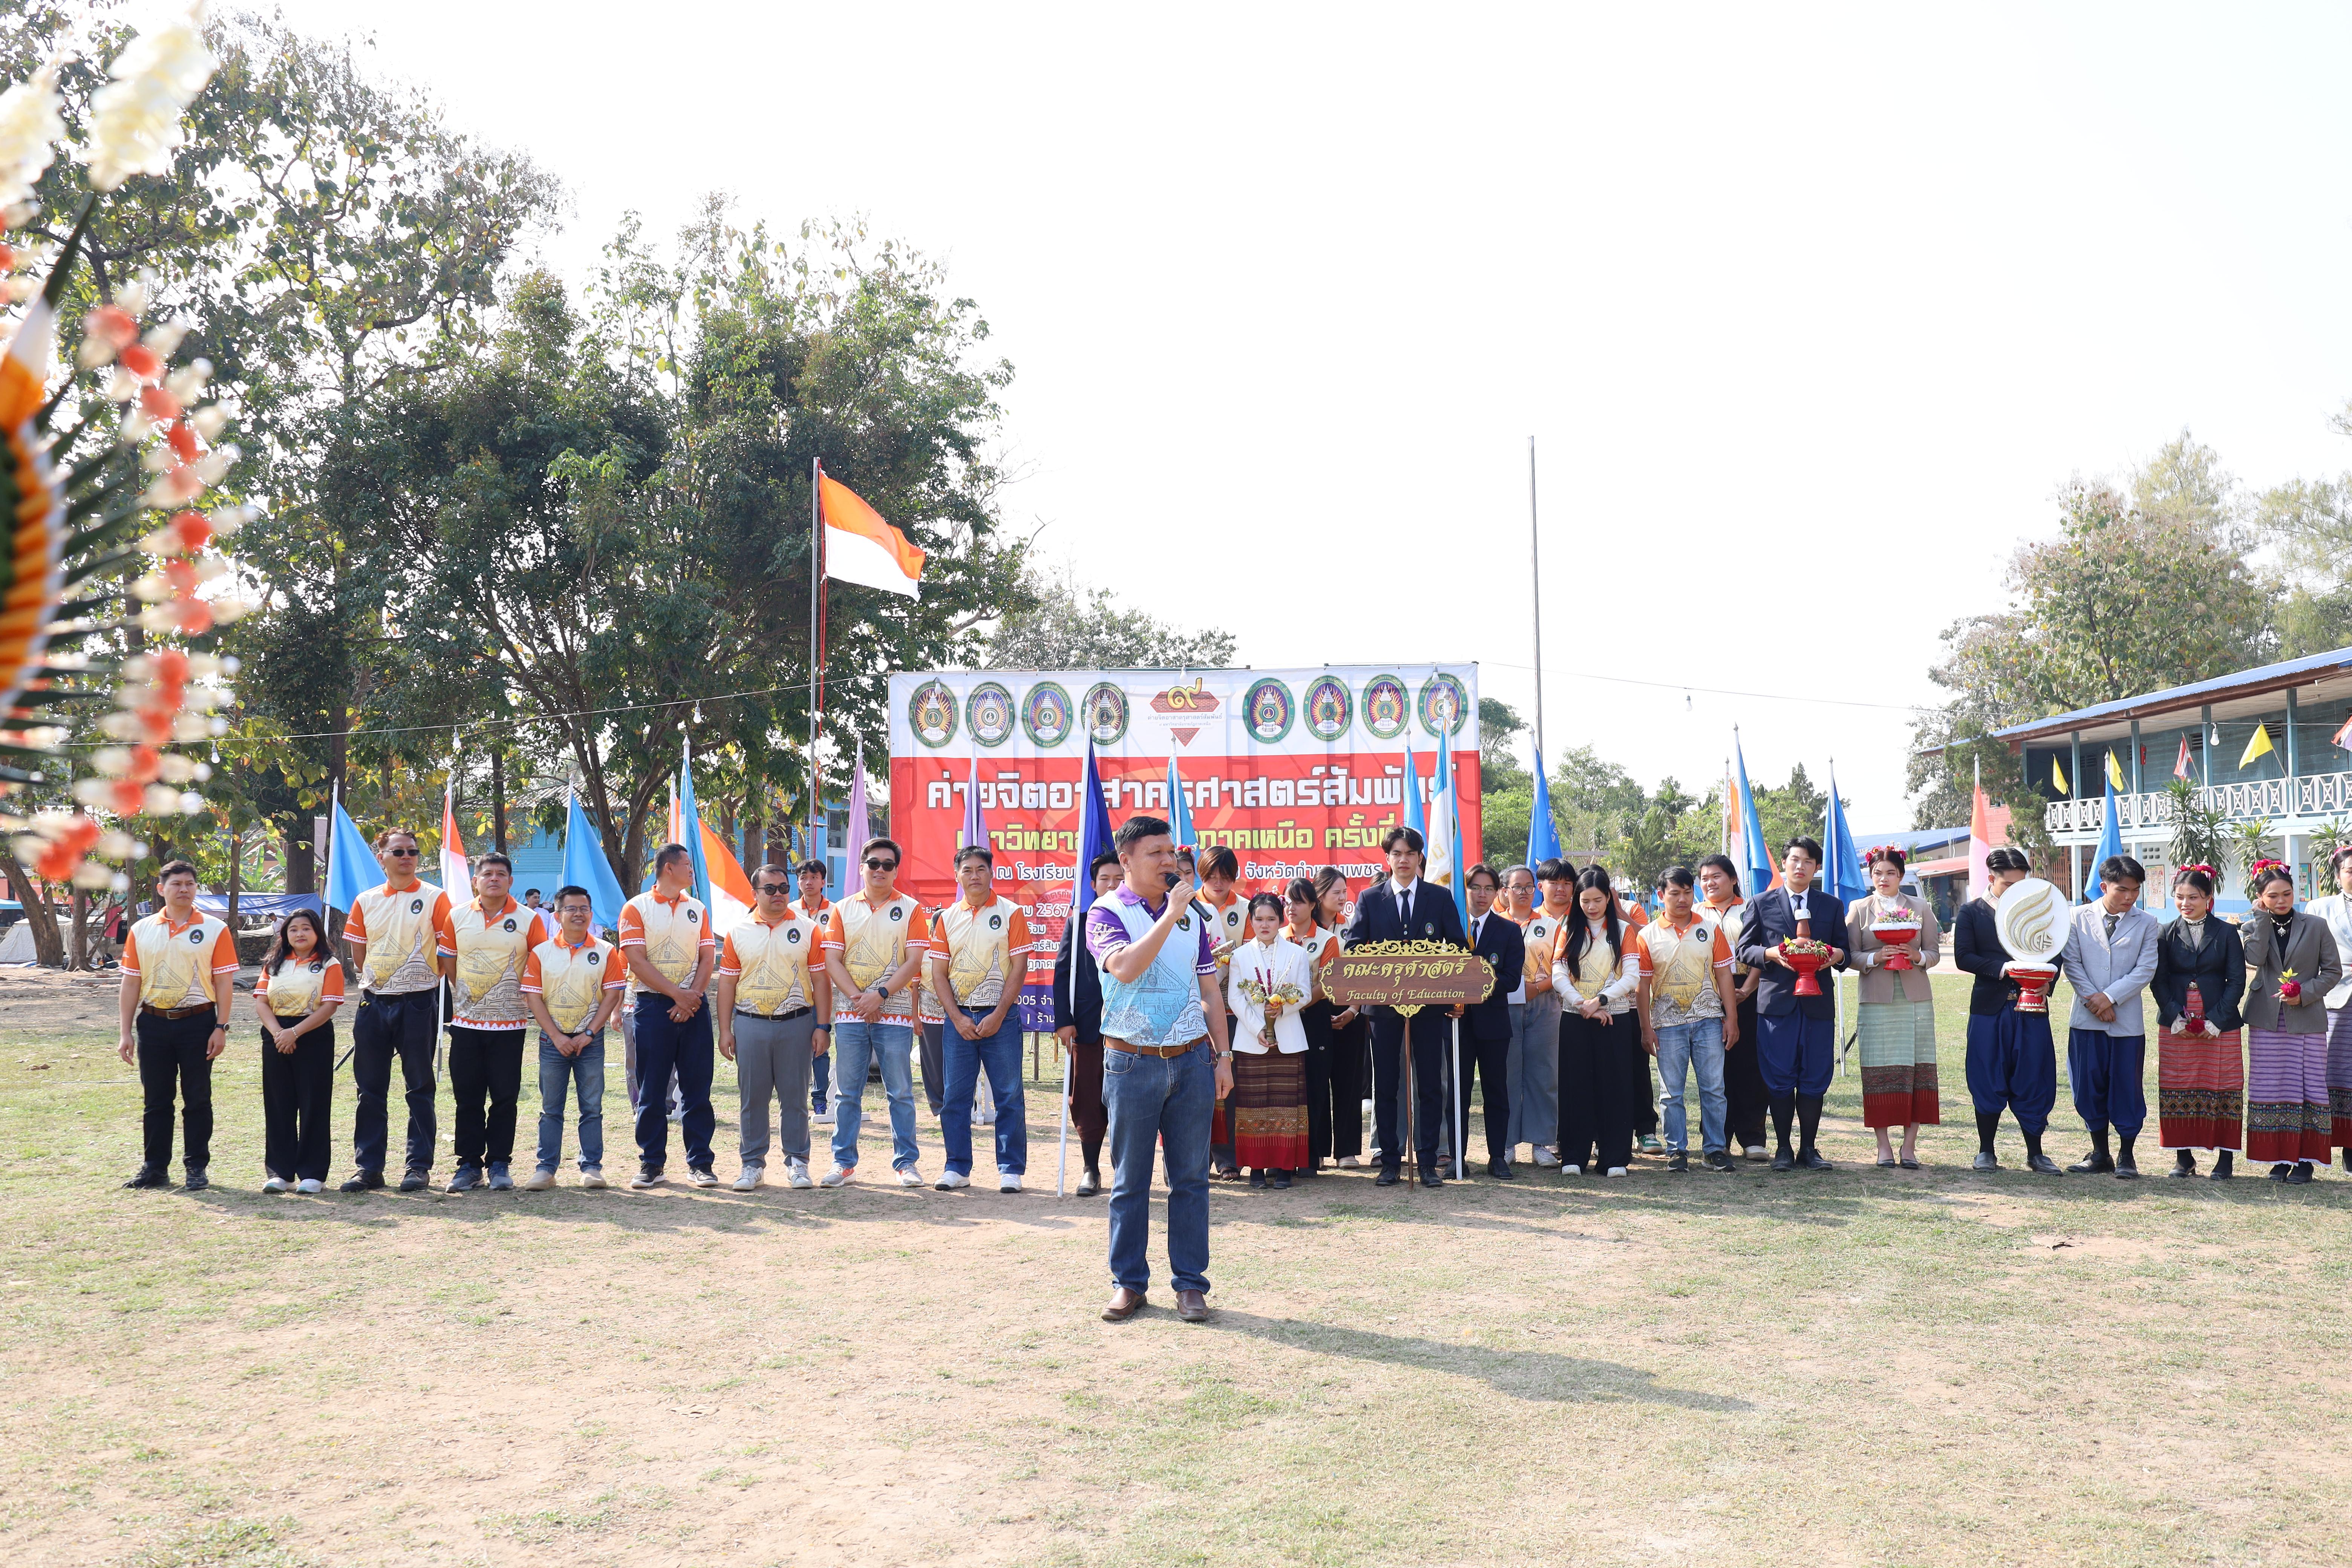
x=2337 y=856
x=668 y=855
x=807 y=866
x=1515 y=868
x=2126 y=869
x=1136 y=829
x=871 y=845
x=1472 y=875
x=2269 y=874
x=2008 y=857
x=2190 y=877
x=1578 y=931
x=1099 y=861
x=1886 y=852
x=1272 y=902
x=281 y=949
x=1328 y=877
x=970 y=851
x=175 y=868
x=1722 y=863
x=383 y=840
x=493 y=858
x=1677 y=876
x=569 y=889
x=760 y=876
x=1400 y=834
x=1554 y=870
x=1807 y=843
x=1218 y=860
x=1301 y=892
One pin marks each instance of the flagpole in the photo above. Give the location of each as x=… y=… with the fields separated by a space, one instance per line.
x=1461 y=1117
x=816 y=592
x=1535 y=586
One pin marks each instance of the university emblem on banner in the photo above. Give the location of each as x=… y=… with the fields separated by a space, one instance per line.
x=1268 y=711
x=931 y=714
x=1387 y=707
x=1046 y=715
x=1444 y=705
x=1107 y=715
x=989 y=711
x=1329 y=709
x=1186 y=707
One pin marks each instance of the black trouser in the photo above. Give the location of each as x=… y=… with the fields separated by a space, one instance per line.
x=1745 y=1098
x=386 y=1026
x=1221 y=1153
x=1642 y=1070
x=1488 y=1059
x=172 y=1057
x=1316 y=1020
x=1597 y=1090
x=1429 y=1037
x=296 y=1089
x=1350 y=1059
x=485 y=1064
x=664 y=1047
x=930 y=1059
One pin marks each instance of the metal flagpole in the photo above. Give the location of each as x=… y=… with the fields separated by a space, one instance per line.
x=1070 y=1002
x=817 y=591
x=334 y=805
x=1535 y=584
x=1461 y=1116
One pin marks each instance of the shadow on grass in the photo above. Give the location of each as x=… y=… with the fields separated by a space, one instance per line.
x=1542 y=1375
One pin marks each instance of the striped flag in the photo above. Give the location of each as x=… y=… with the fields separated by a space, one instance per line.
x=2181 y=769
x=859 y=547
x=457 y=876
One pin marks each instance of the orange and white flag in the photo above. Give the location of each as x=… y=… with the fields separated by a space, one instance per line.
x=860 y=548
x=457 y=875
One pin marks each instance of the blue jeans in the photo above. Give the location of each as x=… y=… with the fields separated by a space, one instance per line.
x=1000 y=1055
x=688 y=1049
x=855 y=1044
x=1155 y=1102
x=584 y=1074
x=1698 y=1044
x=820 y=1080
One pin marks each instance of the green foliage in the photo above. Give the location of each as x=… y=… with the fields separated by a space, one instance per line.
x=2200 y=831
x=1059 y=623
x=2309 y=523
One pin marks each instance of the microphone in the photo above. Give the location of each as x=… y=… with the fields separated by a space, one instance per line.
x=1171 y=878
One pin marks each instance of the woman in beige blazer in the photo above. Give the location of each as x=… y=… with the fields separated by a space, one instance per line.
x=1898 y=1021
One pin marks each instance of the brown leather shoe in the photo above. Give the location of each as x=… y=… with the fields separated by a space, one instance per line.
x=1193 y=1306
x=1124 y=1304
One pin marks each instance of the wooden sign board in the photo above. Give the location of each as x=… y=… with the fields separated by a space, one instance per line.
x=1408 y=976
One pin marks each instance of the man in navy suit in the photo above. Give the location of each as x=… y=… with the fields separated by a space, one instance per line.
x=1485 y=1040
x=1796 y=1039
x=1406 y=908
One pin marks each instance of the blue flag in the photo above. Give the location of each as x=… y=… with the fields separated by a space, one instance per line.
x=351 y=867
x=1543 y=835
x=1094 y=833
x=689 y=826
x=1415 y=818
x=584 y=866
x=1179 y=809
x=2111 y=842
x=1443 y=860
x=973 y=830
x=1842 y=871
x=1757 y=872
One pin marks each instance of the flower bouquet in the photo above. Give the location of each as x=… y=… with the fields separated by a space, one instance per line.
x=1894 y=930
x=1805 y=954
x=1270 y=999
x=2289 y=987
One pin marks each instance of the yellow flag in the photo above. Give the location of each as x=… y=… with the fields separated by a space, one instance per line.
x=2259 y=746
x=2115 y=773
x=2058 y=777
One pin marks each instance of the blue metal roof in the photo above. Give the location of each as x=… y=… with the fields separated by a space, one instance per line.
x=2244 y=683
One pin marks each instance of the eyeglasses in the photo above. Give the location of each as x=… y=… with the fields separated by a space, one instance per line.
x=873 y=865
x=771 y=889
x=408 y=853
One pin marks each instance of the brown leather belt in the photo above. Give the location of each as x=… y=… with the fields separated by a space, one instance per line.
x=175 y=1012
x=1118 y=1045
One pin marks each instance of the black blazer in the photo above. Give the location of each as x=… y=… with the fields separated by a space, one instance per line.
x=1502 y=944
x=1764 y=925
x=1080 y=1009
x=2218 y=970
x=1976 y=948
x=1434 y=917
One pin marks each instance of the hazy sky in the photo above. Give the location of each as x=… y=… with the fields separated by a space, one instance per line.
x=1809 y=311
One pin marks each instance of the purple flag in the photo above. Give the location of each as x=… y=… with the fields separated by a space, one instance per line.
x=856 y=831
x=975 y=827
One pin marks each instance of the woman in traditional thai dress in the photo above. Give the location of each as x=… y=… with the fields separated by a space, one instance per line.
x=1299 y=928
x=1596 y=973
x=1351 y=1034
x=1269 y=979
x=1744 y=1096
x=2292 y=965
x=2201 y=1055
x=2336 y=909
x=1896 y=1020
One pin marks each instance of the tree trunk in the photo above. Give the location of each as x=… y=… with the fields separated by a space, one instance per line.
x=497 y=802
x=236 y=879
x=301 y=854
x=49 y=946
x=81 y=930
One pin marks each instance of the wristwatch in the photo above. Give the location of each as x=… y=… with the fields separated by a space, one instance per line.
x=1223 y=1056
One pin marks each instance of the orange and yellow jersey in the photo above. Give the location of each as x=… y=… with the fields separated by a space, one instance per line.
x=299 y=988
x=985 y=948
x=675 y=931
x=489 y=945
x=770 y=964
x=873 y=940
x=175 y=961
x=573 y=981
x=402 y=929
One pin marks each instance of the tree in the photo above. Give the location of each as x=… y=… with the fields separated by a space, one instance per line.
x=1506 y=790
x=1063 y=624
x=2309 y=523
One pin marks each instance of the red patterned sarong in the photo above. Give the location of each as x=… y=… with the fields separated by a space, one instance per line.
x=1269 y=1110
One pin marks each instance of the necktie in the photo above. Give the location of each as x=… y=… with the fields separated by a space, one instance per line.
x=1476 y=926
x=2111 y=928
x=1804 y=910
x=1404 y=906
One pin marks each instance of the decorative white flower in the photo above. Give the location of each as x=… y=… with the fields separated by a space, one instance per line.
x=30 y=128
x=135 y=121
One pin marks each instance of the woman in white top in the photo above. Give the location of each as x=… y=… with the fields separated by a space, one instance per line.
x=1596 y=971
x=1269 y=981
x=2336 y=909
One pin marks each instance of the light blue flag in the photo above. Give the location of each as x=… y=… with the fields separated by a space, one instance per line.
x=689 y=822
x=1179 y=809
x=1415 y=817
x=1443 y=862
x=584 y=866
x=1842 y=870
x=1757 y=874
x=1093 y=834
x=1543 y=834
x=2111 y=842
x=352 y=866
x=974 y=829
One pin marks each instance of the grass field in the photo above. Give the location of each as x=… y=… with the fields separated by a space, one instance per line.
x=1858 y=1367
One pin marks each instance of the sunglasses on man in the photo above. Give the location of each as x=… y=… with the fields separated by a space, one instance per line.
x=408 y=853
x=874 y=863
x=771 y=889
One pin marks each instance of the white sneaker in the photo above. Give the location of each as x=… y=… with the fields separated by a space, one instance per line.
x=540 y=1181
x=275 y=1184
x=309 y=1186
x=910 y=1177
x=591 y=1178
x=951 y=1179
x=839 y=1176
x=644 y=1180
x=749 y=1179
x=796 y=1174
x=1007 y=1182
x=1571 y=1170
x=1545 y=1157
x=1616 y=1170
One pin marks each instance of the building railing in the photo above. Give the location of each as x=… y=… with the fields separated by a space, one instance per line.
x=2305 y=794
